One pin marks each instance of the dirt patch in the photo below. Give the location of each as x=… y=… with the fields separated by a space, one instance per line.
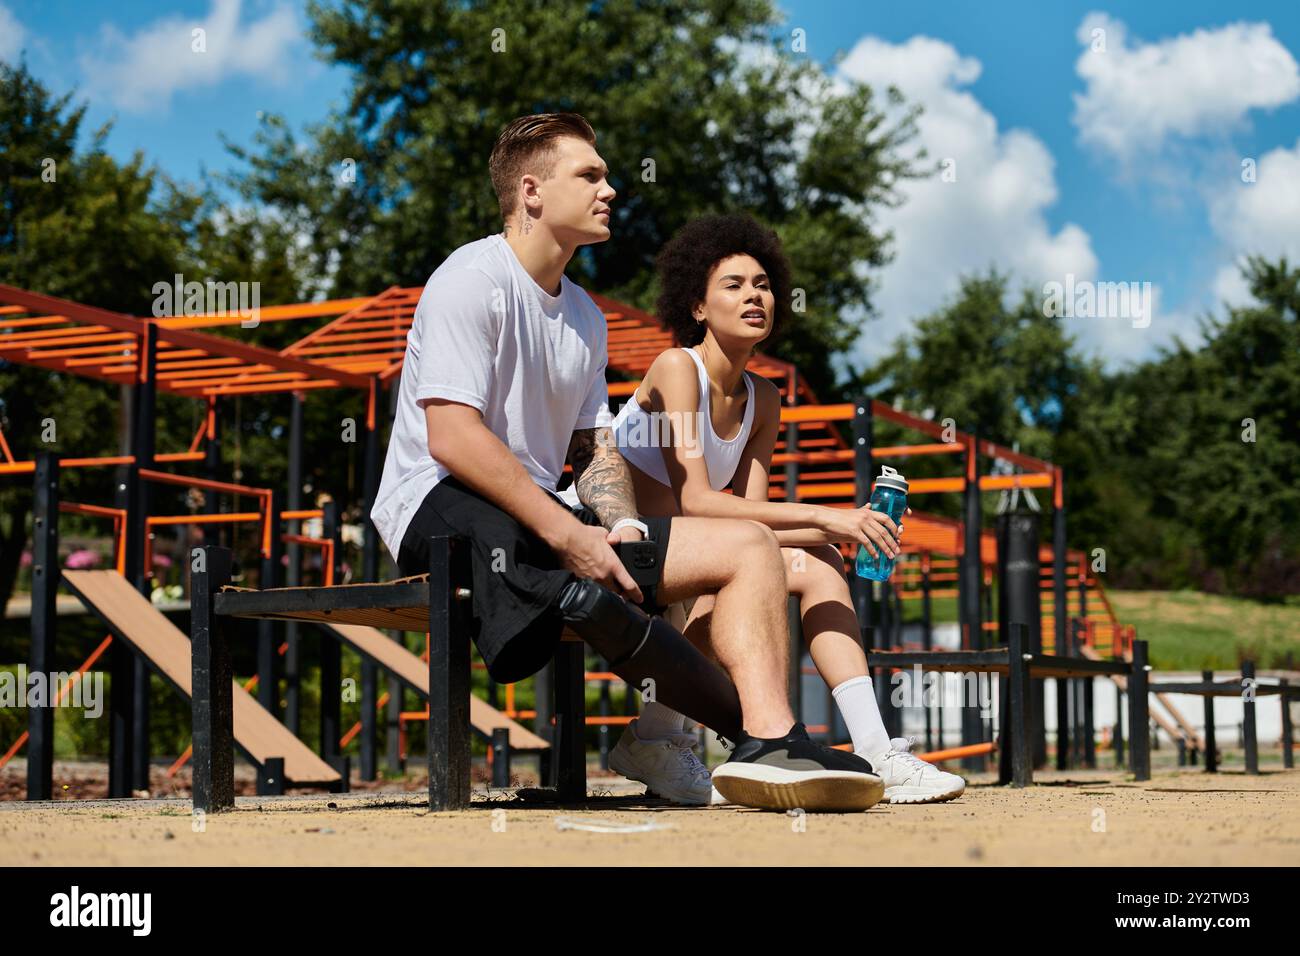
x=1096 y=818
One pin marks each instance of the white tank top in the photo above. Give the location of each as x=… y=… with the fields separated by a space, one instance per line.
x=641 y=438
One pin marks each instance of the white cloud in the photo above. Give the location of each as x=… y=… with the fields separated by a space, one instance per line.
x=992 y=215
x=1262 y=218
x=1138 y=96
x=12 y=35
x=143 y=71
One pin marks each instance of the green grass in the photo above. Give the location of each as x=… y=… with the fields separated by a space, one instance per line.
x=1188 y=630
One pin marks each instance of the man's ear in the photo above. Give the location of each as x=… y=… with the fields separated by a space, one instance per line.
x=530 y=192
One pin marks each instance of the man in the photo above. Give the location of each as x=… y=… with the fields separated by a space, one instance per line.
x=504 y=378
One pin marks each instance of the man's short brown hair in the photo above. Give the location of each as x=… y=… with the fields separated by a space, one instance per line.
x=527 y=145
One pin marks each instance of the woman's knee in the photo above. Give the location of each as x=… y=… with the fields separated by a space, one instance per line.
x=817 y=567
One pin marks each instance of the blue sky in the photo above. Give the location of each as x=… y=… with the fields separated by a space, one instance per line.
x=1113 y=162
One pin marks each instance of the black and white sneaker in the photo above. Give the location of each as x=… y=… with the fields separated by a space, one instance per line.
x=792 y=772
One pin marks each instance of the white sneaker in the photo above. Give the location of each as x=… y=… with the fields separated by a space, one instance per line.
x=668 y=767
x=909 y=779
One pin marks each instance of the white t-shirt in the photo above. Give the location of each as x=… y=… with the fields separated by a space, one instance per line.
x=487 y=335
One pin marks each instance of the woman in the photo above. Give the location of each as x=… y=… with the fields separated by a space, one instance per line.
x=725 y=288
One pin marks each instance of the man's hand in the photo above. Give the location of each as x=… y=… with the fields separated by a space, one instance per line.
x=587 y=552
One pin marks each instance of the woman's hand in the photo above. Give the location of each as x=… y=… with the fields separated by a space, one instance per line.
x=874 y=530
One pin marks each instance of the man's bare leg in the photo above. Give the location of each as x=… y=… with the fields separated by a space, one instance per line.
x=740 y=563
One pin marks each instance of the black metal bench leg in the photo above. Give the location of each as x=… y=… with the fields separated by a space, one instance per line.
x=211 y=694
x=1139 y=726
x=270 y=777
x=449 y=687
x=500 y=757
x=570 y=721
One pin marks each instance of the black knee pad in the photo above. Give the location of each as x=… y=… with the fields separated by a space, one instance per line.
x=615 y=628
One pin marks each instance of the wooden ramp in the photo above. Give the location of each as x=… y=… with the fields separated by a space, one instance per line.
x=414 y=673
x=134 y=620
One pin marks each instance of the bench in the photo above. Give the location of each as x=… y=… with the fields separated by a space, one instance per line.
x=437 y=603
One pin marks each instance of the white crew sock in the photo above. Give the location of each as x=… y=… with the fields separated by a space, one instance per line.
x=856 y=699
x=657 y=721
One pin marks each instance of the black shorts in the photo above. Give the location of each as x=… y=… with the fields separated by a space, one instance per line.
x=515 y=578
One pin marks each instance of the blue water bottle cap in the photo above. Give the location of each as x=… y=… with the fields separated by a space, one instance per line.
x=889 y=478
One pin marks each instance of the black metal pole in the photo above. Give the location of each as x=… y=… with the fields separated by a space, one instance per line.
x=1016 y=763
x=1288 y=730
x=1064 y=739
x=1089 y=736
x=1248 y=727
x=1076 y=685
x=396 y=690
x=293 y=571
x=331 y=657
x=121 y=660
x=143 y=447
x=370 y=572
x=449 y=689
x=1139 y=715
x=969 y=574
x=543 y=712
x=1059 y=610
x=45 y=588
x=1119 y=727
x=570 y=721
x=1019 y=599
x=212 y=470
x=927 y=643
x=602 y=735
x=1211 y=746
x=863 y=442
x=211 y=694
x=794 y=635
x=500 y=757
x=268 y=686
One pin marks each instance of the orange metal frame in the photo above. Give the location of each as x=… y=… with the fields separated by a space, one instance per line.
x=363 y=345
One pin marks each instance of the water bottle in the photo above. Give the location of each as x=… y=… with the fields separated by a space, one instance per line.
x=888 y=497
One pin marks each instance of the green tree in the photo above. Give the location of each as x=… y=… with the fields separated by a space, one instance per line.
x=1215 y=441
x=78 y=224
x=1005 y=372
x=1160 y=469
x=73 y=223
x=697 y=109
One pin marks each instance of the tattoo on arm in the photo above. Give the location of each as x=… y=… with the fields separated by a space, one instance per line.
x=601 y=475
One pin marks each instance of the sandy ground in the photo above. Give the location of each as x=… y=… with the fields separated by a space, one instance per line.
x=1094 y=818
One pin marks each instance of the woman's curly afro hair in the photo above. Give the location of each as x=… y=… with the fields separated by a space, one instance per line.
x=685 y=263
